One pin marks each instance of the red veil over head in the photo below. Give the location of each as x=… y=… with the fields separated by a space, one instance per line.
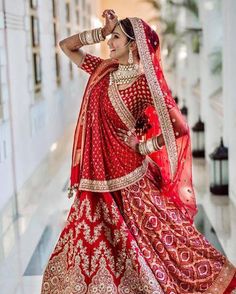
x=174 y=159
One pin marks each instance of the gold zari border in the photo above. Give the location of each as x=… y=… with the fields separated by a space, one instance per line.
x=158 y=97
x=120 y=107
x=114 y=184
x=223 y=280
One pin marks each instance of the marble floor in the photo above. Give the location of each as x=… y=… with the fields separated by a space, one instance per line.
x=26 y=246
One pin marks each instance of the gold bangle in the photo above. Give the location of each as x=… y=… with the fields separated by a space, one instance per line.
x=141 y=148
x=150 y=146
x=156 y=144
x=91 y=37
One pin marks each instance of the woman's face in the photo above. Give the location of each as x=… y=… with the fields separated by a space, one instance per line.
x=118 y=45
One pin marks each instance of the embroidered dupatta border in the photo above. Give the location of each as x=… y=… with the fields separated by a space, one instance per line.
x=120 y=107
x=114 y=184
x=158 y=97
x=223 y=280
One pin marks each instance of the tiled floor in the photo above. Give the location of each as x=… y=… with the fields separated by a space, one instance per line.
x=33 y=236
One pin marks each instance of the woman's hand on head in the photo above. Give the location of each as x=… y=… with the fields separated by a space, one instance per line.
x=129 y=138
x=111 y=20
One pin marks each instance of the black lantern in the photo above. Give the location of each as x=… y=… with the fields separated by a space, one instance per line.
x=198 y=139
x=184 y=111
x=219 y=170
x=176 y=98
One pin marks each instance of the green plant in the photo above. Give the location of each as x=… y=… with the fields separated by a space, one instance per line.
x=171 y=36
x=170 y=27
x=191 y=5
x=216 y=61
x=196 y=43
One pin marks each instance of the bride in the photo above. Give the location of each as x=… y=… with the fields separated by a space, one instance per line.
x=130 y=228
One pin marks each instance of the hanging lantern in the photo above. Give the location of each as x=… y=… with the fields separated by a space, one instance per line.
x=198 y=149
x=219 y=170
x=176 y=98
x=184 y=111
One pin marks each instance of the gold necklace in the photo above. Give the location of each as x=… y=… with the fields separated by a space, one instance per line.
x=124 y=74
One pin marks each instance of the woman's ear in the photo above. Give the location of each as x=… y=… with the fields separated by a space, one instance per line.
x=133 y=45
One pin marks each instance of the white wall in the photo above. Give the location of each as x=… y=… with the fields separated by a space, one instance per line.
x=30 y=128
x=211 y=21
x=229 y=81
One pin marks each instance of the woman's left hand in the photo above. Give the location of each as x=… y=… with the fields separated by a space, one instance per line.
x=130 y=138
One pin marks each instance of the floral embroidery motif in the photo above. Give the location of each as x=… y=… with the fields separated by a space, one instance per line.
x=55 y=280
x=102 y=282
x=149 y=248
x=77 y=268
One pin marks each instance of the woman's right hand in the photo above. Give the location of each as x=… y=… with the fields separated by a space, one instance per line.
x=111 y=20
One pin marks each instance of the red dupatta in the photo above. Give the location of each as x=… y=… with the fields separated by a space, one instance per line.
x=77 y=151
x=175 y=158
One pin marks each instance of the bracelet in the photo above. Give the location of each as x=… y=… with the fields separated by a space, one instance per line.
x=142 y=148
x=91 y=37
x=149 y=146
x=156 y=144
x=145 y=147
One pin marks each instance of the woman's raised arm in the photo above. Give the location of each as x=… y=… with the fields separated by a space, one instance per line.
x=71 y=45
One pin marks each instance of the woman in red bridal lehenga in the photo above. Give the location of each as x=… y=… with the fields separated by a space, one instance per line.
x=130 y=228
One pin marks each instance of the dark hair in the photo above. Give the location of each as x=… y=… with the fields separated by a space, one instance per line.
x=152 y=35
x=127 y=26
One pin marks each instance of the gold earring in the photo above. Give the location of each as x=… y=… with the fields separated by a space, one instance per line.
x=130 y=59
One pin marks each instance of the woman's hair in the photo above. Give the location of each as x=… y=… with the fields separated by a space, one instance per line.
x=127 y=26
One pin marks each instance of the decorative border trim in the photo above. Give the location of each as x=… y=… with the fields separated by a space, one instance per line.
x=223 y=280
x=158 y=97
x=114 y=184
x=120 y=107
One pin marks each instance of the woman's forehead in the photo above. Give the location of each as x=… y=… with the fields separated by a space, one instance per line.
x=118 y=30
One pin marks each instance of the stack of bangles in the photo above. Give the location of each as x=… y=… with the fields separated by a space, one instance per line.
x=91 y=37
x=149 y=146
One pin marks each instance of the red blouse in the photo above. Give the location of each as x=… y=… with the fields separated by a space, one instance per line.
x=137 y=97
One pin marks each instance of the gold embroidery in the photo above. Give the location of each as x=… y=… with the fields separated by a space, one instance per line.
x=73 y=263
x=102 y=282
x=222 y=281
x=114 y=184
x=57 y=279
x=158 y=97
x=135 y=282
x=120 y=107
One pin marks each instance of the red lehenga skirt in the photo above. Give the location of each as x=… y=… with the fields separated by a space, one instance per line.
x=133 y=241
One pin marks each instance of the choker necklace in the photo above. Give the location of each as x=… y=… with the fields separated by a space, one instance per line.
x=124 y=74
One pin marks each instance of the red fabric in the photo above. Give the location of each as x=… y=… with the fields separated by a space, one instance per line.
x=105 y=156
x=177 y=184
x=139 y=239
x=133 y=241
x=232 y=286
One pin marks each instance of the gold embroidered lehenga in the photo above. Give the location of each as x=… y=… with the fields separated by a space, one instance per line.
x=130 y=227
